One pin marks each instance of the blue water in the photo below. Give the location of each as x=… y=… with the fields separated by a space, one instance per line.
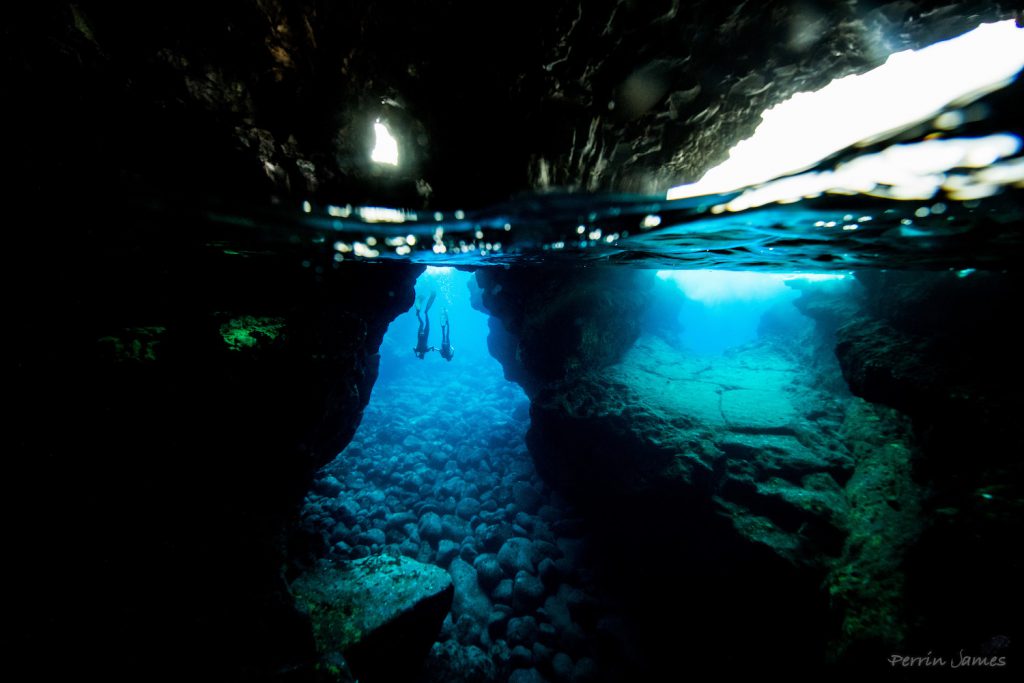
x=468 y=332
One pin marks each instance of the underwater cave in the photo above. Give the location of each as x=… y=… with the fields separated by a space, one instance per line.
x=543 y=342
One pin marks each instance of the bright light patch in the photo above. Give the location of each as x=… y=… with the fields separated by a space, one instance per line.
x=911 y=86
x=385 y=149
x=364 y=250
x=914 y=171
x=381 y=214
x=713 y=287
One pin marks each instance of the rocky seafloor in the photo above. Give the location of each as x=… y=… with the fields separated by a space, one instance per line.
x=442 y=475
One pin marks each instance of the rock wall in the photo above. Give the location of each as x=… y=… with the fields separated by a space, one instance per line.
x=553 y=324
x=937 y=347
x=174 y=399
x=753 y=469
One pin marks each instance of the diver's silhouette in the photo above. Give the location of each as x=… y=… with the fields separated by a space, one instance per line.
x=446 y=340
x=422 y=336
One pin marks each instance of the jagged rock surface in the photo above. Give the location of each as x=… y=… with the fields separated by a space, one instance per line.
x=758 y=458
x=550 y=324
x=709 y=432
x=936 y=347
x=278 y=97
x=383 y=613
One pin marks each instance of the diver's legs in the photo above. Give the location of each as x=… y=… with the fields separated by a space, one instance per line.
x=433 y=295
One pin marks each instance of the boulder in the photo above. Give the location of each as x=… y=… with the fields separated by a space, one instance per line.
x=488 y=570
x=517 y=554
x=470 y=599
x=382 y=613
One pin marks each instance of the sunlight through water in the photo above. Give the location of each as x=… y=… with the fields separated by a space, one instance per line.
x=911 y=86
x=385 y=150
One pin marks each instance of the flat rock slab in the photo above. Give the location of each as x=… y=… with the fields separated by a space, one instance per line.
x=670 y=397
x=383 y=613
x=757 y=410
x=744 y=392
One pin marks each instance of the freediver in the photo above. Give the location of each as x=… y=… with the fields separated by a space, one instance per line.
x=422 y=335
x=446 y=340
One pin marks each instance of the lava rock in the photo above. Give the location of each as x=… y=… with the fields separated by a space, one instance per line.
x=327 y=486
x=372 y=537
x=527 y=593
x=503 y=592
x=585 y=671
x=467 y=508
x=496 y=624
x=562 y=667
x=446 y=552
x=488 y=571
x=450 y=661
x=493 y=536
x=517 y=554
x=526 y=497
x=521 y=657
x=521 y=631
x=526 y=676
x=431 y=528
x=399 y=520
x=549 y=572
x=469 y=597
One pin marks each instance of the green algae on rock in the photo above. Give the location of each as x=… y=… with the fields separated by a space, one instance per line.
x=136 y=344
x=247 y=331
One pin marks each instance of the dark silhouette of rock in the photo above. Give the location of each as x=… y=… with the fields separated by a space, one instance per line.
x=188 y=460
x=937 y=347
x=559 y=323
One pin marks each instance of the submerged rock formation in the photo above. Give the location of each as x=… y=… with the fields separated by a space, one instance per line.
x=755 y=466
x=936 y=347
x=175 y=398
x=551 y=324
x=383 y=613
x=739 y=436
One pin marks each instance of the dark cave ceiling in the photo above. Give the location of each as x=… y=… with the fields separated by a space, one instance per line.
x=275 y=99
